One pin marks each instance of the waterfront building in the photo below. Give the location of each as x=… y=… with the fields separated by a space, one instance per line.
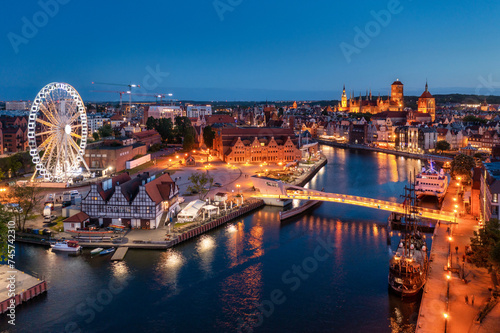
x=256 y=145
x=138 y=202
x=415 y=139
x=489 y=190
x=77 y=221
x=195 y=111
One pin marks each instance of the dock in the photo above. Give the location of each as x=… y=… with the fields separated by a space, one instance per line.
x=18 y=288
x=119 y=254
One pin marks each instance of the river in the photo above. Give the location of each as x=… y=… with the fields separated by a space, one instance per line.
x=325 y=271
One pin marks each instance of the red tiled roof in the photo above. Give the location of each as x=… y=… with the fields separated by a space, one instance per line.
x=159 y=189
x=78 y=218
x=145 y=134
x=397 y=83
x=426 y=94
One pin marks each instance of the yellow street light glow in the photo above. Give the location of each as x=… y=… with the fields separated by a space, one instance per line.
x=448 y=276
x=445 y=315
x=454 y=199
x=450 y=239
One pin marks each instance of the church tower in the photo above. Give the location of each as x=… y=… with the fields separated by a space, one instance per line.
x=397 y=96
x=343 y=101
x=427 y=103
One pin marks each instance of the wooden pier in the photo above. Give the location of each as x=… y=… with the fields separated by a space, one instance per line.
x=21 y=287
x=119 y=254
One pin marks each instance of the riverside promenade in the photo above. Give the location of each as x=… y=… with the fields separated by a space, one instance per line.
x=443 y=307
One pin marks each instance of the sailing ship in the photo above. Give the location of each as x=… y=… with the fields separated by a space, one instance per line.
x=409 y=266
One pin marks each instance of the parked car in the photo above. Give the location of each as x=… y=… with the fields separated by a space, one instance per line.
x=13 y=207
x=217 y=185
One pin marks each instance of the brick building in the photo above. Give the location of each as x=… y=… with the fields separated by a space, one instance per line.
x=149 y=137
x=256 y=145
x=113 y=153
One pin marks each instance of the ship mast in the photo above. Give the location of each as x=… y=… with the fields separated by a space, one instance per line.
x=410 y=214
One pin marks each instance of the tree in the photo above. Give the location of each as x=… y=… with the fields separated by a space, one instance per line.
x=182 y=125
x=151 y=123
x=208 y=136
x=164 y=127
x=201 y=183
x=189 y=141
x=5 y=217
x=442 y=145
x=105 y=131
x=95 y=135
x=24 y=199
x=462 y=165
x=485 y=247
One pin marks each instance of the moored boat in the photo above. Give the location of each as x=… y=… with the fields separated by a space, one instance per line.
x=96 y=251
x=431 y=182
x=408 y=268
x=107 y=251
x=66 y=246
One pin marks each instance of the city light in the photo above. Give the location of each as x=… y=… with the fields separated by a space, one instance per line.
x=450 y=239
x=445 y=316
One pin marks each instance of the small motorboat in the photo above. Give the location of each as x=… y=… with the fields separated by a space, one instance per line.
x=107 y=251
x=96 y=251
x=67 y=246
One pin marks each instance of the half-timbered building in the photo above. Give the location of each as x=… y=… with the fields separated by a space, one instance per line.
x=138 y=202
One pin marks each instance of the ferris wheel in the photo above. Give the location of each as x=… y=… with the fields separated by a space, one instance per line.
x=57 y=132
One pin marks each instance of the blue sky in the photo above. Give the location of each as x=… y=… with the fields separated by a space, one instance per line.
x=260 y=49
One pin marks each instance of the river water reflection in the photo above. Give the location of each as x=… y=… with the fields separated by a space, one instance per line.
x=325 y=271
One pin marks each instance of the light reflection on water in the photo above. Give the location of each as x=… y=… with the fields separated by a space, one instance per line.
x=220 y=277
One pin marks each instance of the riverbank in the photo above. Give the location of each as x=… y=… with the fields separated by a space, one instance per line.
x=385 y=151
x=444 y=306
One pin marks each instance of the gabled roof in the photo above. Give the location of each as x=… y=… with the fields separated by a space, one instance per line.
x=77 y=218
x=159 y=189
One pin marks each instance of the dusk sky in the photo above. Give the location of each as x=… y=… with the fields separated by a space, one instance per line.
x=252 y=49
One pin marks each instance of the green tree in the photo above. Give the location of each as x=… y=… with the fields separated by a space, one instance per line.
x=5 y=217
x=442 y=145
x=95 y=135
x=25 y=198
x=462 y=166
x=164 y=127
x=105 y=131
x=182 y=125
x=189 y=140
x=208 y=136
x=201 y=183
x=473 y=119
x=485 y=247
x=152 y=123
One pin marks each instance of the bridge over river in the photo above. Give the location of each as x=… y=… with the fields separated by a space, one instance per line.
x=272 y=189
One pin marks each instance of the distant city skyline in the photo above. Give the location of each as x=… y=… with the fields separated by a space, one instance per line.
x=199 y=50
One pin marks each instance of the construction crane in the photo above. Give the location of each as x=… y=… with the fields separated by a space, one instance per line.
x=130 y=86
x=114 y=92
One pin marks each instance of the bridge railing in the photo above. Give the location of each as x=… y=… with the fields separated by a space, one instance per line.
x=306 y=194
